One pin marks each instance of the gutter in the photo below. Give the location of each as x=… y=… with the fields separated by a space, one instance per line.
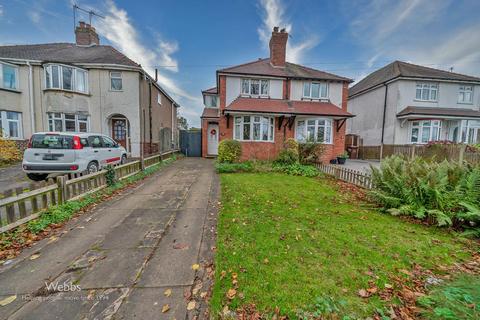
x=30 y=97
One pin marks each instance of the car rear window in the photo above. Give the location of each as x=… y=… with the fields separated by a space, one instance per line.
x=51 y=141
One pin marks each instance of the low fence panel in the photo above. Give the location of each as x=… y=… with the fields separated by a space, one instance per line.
x=361 y=179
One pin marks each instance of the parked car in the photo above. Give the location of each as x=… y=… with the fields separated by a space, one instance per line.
x=68 y=152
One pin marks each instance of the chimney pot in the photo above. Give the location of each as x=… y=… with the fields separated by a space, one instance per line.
x=278 y=47
x=283 y=30
x=85 y=35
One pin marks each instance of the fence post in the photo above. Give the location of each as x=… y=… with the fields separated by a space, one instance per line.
x=461 y=153
x=413 y=150
x=62 y=189
x=142 y=163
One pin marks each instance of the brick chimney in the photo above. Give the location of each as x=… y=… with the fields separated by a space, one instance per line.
x=85 y=35
x=278 y=47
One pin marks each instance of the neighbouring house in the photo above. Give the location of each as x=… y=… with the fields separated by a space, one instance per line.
x=84 y=86
x=264 y=102
x=404 y=103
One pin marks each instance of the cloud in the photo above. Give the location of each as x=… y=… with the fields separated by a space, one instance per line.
x=273 y=15
x=119 y=30
x=1 y=11
x=34 y=16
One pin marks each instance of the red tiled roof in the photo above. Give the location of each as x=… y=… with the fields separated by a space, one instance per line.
x=211 y=90
x=210 y=113
x=291 y=70
x=287 y=107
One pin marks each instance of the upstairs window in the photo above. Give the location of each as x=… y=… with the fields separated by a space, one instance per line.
x=425 y=131
x=211 y=101
x=116 y=81
x=8 y=76
x=66 y=78
x=255 y=87
x=11 y=124
x=426 y=92
x=465 y=94
x=315 y=90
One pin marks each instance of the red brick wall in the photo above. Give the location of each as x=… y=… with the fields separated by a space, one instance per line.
x=204 y=137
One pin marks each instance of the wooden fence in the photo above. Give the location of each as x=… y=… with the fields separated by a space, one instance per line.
x=355 y=177
x=439 y=152
x=17 y=209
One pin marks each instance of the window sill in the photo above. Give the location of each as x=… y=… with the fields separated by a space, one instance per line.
x=243 y=95
x=16 y=139
x=10 y=90
x=115 y=90
x=314 y=99
x=66 y=91
x=256 y=141
x=417 y=100
x=466 y=103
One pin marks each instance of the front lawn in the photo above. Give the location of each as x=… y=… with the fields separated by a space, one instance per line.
x=287 y=243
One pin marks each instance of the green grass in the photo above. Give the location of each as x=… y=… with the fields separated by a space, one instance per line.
x=457 y=299
x=296 y=242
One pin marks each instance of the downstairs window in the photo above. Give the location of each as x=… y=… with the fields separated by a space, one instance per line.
x=253 y=128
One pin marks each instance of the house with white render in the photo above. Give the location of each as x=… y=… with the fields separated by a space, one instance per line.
x=404 y=103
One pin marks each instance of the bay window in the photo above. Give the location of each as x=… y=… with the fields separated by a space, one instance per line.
x=68 y=122
x=317 y=130
x=253 y=128
x=255 y=87
x=11 y=124
x=8 y=76
x=315 y=90
x=465 y=94
x=426 y=92
x=66 y=78
x=425 y=131
x=471 y=131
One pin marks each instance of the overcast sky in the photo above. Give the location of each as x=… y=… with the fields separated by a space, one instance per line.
x=188 y=40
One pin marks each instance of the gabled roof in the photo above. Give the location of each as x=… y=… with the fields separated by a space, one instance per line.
x=263 y=67
x=277 y=106
x=411 y=112
x=398 y=69
x=210 y=113
x=211 y=91
x=67 y=53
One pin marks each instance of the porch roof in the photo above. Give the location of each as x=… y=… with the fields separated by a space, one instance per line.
x=286 y=107
x=443 y=113
x=210 y=113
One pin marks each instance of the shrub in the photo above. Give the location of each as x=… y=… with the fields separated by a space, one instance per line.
x=291 y=144
x=10 y=152
x=310 y=151
x=226 y=167
x=297 y=169
x=445 y=193
x=110 y=176
x=287 y=157
x=229 y=151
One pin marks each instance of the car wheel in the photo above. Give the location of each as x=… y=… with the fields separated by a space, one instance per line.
x=124 y=159
x=92 y=167
x=37 y=176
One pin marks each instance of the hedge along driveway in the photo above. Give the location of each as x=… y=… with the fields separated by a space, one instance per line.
x=288 y=240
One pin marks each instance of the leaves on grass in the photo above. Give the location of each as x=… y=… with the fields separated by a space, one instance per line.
x=231 y=293
x=8 y=300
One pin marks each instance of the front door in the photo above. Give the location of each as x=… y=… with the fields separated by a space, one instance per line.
x=119 y=131
x=212 y=132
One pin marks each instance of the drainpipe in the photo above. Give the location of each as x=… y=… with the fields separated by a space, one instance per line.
x=173 y=114
x=30 y=98
x=150 y=114
x=383 y=120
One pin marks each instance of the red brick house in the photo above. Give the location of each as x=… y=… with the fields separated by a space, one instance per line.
x=264 y=102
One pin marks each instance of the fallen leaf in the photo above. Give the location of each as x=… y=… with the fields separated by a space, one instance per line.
x=363 y=293
x=52 y=239
x=180 y=246
x=165 y=308
x=195 y=266
x=34 y=256
x=203 y=294
x=8 y=300
x=231 y=293
x=388 y=286
x=191 y=305
x=265 y=261
x=168 y=292
x=223 y=274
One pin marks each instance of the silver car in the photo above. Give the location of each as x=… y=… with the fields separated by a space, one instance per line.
x=69 y=152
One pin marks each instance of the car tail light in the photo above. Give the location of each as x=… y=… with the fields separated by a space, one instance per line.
x=77 y=144
x=74 y=167
x=30 y=143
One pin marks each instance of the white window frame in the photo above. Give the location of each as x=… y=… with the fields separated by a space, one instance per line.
x=431 y=87
x=462 y=91
x=260 y=81
x=120 y=77
x=320 y=83
x=51 y=117
x=240 y=126
x=48 y=83
x=5 y=125
x=208 y=98
x=16 y=76
x=423 y=124
x=466 y=127
x=328 y=126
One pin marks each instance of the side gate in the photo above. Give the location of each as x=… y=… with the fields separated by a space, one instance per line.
x=191 y=143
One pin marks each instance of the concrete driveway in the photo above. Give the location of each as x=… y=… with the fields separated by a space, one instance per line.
x=133 y=257
x=361 y=165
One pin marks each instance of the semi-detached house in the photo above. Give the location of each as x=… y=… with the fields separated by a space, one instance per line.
x=84 y=86
x=264 y=102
